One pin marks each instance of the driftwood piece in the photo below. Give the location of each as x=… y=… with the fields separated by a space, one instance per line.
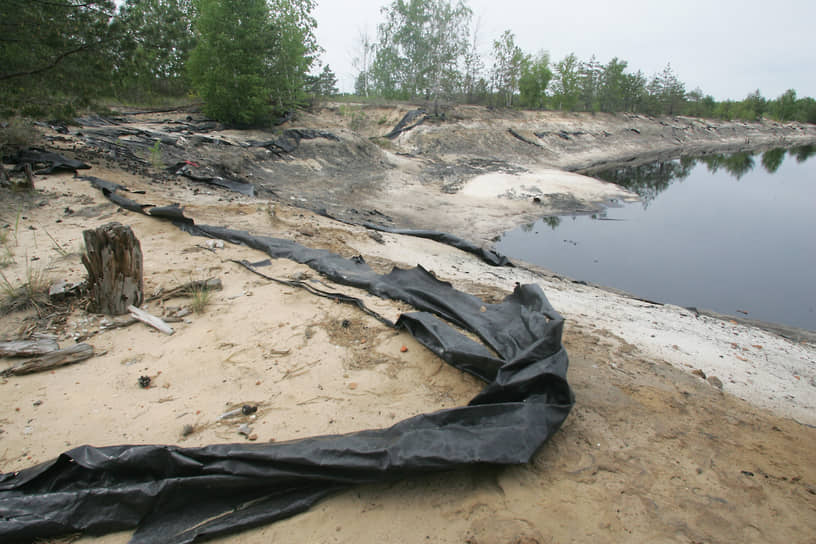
x=49 y=361
x=150 y=319
x=113 y=259
x=28 y=348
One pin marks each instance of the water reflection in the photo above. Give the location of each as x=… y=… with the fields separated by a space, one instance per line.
x=649 y=180
x=804 y=152
x=772 y=159
x=709 y=241
x=553 y=222
x=736 y=164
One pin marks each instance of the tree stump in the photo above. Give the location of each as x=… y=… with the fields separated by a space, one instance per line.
x=113 y=258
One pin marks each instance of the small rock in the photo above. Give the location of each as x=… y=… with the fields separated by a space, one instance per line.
x=37 y=403
x=253 y=437
x=699 y=373
x=187 y=430
x=404 y=349
x=244 y=429
x=716 y=382
x=144 y=382
x=248 y=409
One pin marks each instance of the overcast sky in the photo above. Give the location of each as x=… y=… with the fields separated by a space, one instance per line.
x=727 y=48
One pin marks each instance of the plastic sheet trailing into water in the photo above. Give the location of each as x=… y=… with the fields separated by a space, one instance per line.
x=489 y=256
x=179 y=495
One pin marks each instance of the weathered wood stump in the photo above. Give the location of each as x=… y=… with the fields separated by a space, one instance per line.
x=113 y=258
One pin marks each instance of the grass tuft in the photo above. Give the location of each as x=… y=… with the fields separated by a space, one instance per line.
x=33 y=293
x=200 y=298
x=59 y=249
x=156 y=156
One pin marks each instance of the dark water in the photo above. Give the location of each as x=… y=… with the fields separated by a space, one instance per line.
x=735 y=234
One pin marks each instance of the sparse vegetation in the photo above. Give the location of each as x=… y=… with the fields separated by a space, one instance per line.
x=59 y=249
x=156 y=156
x=6 y=235
x=200 y=297
x=6 y=256
x=33 y=293
x=15 y=134
x=357 y=118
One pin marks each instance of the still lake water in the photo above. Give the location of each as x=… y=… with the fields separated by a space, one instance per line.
x=735 y=234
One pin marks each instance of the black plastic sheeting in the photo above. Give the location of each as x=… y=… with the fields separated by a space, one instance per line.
x=207 y=175
x=290 y=139
x=410 y=120
x=489 y=256
x=179 y=495
x=53 y=162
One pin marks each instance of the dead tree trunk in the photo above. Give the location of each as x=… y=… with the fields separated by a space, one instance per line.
x=113 y=258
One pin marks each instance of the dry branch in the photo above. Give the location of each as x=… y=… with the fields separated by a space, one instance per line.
x=28 y=348
x=49 y=361
x=149 y=319
x=189 y=288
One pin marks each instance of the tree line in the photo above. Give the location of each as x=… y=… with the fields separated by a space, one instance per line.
x=429 y=49
x=253 y=60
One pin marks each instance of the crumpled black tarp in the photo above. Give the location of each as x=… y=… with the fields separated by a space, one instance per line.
x=178 y=495
x=54 y=162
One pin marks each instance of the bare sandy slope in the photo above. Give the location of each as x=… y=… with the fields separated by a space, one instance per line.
x=474 y=173
x=651 y=453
